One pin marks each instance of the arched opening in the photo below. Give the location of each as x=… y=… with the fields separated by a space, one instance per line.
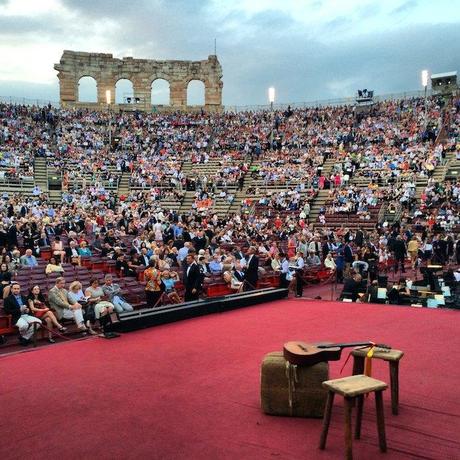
x=160 y=92
x=87 y=89
x=124 y=91
x=195 y=92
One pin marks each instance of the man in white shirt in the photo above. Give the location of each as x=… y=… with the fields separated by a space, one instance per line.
x=299 y=266
x=285 y=273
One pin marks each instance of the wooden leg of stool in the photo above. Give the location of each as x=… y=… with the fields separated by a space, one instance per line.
x=348 y=430
x=359 y=416
x=358 y=365
x=326 y=419
x=394 y=384
x=380 y=421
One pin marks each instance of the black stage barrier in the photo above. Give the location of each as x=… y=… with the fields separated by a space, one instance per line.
x=147 y=317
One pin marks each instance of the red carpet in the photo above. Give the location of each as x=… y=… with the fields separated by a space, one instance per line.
x=191 y=390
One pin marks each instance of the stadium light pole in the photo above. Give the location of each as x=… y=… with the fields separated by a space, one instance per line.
x=108 y=97
x=271 y=97
x=425 y=85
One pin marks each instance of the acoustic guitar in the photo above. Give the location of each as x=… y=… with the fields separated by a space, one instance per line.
x=308 y=354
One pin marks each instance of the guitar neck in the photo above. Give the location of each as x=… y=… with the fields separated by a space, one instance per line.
x=352 y=344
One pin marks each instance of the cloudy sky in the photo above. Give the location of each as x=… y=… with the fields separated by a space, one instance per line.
x=306 y=49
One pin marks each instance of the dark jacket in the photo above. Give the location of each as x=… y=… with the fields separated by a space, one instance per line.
x=252 y=271
x=194 y=278
x=12 y=307
x=399 y=249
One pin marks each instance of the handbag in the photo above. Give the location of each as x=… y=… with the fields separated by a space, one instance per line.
x=89 y=313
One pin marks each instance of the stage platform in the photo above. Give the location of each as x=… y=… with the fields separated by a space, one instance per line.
x=191 y=389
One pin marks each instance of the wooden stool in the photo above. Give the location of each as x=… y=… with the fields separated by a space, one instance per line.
x=393 y=357
x=350 y=388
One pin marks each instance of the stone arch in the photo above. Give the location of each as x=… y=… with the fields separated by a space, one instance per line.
x=196 y=92
x=124 y=89
x=160 y=91
x=108 y=70
x=87 y=89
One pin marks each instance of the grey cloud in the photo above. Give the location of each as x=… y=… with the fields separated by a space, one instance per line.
x=21 y=25
x=271 y=48
x=405 y=7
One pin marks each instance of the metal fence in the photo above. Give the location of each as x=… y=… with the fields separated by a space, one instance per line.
x=325 y=102
x=27 y=101
x=253 y=108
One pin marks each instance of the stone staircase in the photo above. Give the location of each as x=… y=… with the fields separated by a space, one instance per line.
x=187 y=202
x=449 y=170
x=317 y=204
x=55 y=196
x=123 y=184
x=41 y=173
x=321 y=198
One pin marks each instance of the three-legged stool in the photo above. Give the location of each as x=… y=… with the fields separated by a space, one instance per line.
x=392 y=357
x=350 y=388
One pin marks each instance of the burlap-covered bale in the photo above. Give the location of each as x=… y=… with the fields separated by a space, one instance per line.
x=291 y=390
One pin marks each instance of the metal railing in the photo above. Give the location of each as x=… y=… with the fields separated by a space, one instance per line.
x=28 y=101
x=351 y=100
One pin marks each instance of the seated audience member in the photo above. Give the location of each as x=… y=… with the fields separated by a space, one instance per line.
x=351 y=287
x=39 y=309
x=75 y=295
x=360 y=266
x=113 y=293
x=276 y=263
x=122 y=267
x=399 y=294
x=28 y=259
x=53 y=266
x=95 y=296
x=64 y=307
x=16 y=263
x=72 y=254
x=231 y=281
x=84 y=250
x=16 y=305
x=238 y=272
x=58 y=249
x=313 y=260
x=215 y=266
x=204 y=266
x=329 y=262
x=5 y=280
x=169 y=280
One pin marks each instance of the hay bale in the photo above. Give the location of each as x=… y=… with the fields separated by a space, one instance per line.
x=291 y=390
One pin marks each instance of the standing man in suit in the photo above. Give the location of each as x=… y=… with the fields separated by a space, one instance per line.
x=193 y=279
x=252 y=270
x=16 y=306
x=12 y=236
x=400 y=253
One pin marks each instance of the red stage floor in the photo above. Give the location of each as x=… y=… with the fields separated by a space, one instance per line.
x=191 y=389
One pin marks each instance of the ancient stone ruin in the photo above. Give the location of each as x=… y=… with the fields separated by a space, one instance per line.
x=107 y=70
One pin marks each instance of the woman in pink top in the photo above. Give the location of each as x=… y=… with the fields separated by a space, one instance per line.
x=321 y=182
x=338 y=180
